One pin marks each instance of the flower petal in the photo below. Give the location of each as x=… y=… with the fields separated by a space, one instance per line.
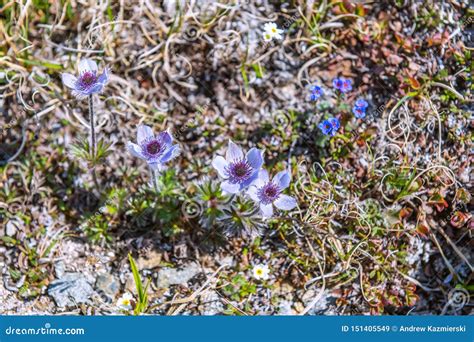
x=87 y=64
x=69 y=80
x=230 y=187
x=104 y=77
x=135 y=150
x=171 y=153
x=263 y=178
x=255 y=158
x=220 y=164
x=253 y=193
x=267 y=210
x=249 y=181
x=96 y=88
x=285 y=202
x=144 y=132
x=79 y=94
x=282 y=179
x=165 y=137
x=269 y=26
x=234 y=152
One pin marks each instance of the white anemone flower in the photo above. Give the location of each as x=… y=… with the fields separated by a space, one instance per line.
x=273 y=31
x=261 y=272
x=125 y=302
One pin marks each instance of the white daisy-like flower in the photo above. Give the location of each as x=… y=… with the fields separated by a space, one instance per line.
x=273 y=31
x=125 y=302
x=267 y=36
x=261 y=272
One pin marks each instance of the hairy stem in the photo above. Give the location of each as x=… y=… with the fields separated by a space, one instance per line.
x=92 y=124
x=93 y=147
x=154 y=176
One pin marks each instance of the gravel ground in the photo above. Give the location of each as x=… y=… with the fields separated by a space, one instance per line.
x=383 y=222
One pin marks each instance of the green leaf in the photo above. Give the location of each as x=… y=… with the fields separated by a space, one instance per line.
x=141 y=291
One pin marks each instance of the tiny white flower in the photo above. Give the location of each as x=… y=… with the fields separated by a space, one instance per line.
x=273 y=31
x=267 y=36
x=125 y=302
x=261 y=272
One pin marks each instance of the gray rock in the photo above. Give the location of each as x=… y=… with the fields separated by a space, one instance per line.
x=108 y=284
x=285 y=308
x=227 y=261
x=212 y=304
x=324 y=306
x=171 y=276
x=71 y=289
x=59 y=269
x=152 y=261
x=11 y=228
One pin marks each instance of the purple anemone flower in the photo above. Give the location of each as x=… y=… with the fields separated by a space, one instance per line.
x=330 y=126
x=342 y=84
x=266 y=192
x=238 y=171
x=316 y=92
x=88 y=82
x=155 y=150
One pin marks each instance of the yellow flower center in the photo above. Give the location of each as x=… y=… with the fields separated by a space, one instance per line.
x=259 y=272
x=274 y=30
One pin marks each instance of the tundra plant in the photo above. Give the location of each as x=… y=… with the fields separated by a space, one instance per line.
x=86 y=84
x=156 y=150
x=241 y=173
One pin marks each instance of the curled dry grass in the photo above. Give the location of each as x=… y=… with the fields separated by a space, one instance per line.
x=373 y=231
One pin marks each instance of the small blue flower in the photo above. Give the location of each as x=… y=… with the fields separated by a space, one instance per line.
x=155 y=150
x=359 y=112
x=346 y=86
x=342 y=84
x=237 y=170
x=266 y=192
x=361 y=103
x=316 y=92
x=88 y=82
x=330 y=126
x=337 y=83
x=359 y=108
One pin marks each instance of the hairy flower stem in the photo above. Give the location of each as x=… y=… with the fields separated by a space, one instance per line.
x=93 y=147
x=154 y=176
x=92 y=124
